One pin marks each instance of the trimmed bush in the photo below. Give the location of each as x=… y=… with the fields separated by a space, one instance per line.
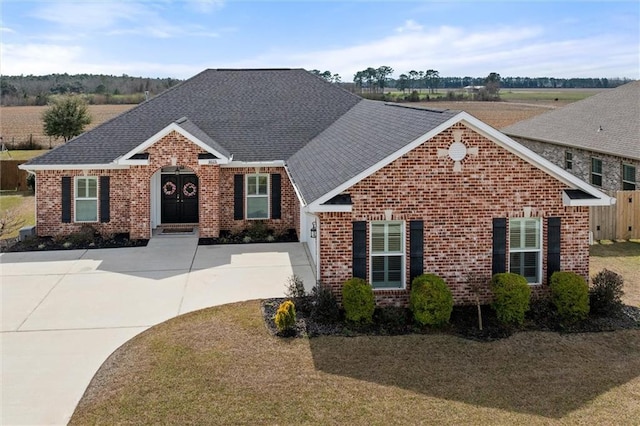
x=605 y=293
x=511 y=296
x=570 y=295
x=325 y=307
x=431 y=301
x=358 y=301
x=294 y=290
x=285 y=318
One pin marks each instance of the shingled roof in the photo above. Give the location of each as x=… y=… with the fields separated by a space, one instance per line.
x=255 y=115
x=608 y=122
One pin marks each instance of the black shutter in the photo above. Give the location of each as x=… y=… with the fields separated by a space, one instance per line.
x=416 y=249
x=66 y=199
x=104 y=199
x=238 y=197
x=276 y=210
x=553 y=245
x=360 y=250
x=499 y=258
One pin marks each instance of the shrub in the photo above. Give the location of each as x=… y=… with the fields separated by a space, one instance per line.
x=430 y=301
x=324 y=305
x=31 y=182
x=511 y=296
x=285 y=318
x=257 y=231
x=358 y=300
x=570 y=295
x=294 y=289
x=605 y=293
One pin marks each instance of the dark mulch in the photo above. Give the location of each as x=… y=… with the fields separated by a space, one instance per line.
x=73 y=242
x=250 y=237
x=463 y=322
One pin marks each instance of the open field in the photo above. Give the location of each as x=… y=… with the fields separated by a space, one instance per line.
x=221 y=363
x=556 y=97
x=496 y=114
x=21 y=154
x=17 y=123
x=19 y=206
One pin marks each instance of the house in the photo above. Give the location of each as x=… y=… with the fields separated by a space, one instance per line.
x=375 y=190
x=596 y=139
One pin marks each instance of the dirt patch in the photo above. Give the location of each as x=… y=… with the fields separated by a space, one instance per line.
x=496 y=114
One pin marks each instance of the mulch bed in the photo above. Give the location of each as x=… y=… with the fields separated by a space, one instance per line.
x=249 y=237
x=463 y=323
x=71 y=243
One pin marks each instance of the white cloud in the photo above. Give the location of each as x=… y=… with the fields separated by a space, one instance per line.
x=409 y=26
x=6 y=30
x=205 y=6
x=38 y=59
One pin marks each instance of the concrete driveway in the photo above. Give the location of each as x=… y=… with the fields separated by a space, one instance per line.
x=65 y=312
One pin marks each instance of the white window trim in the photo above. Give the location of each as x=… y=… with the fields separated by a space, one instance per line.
x=401 y=253
x=597 y=174
x=76 y=198
x=539 y=250
x=634 y=183
x=247 y=196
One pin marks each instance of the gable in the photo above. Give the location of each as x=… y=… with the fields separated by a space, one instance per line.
x=481 y=129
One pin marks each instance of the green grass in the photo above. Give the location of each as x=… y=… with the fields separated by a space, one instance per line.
x=21 y=154
x=563 y=96
x=18 y=210
x=221 y=366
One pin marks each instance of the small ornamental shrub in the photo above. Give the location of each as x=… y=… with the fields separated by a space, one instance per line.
x=511 y=296
x=431 y=300
x=285 y=318
x=325 y=307
x=605 y=293
x=570 y=295
x=358 y=301
x=294 y=289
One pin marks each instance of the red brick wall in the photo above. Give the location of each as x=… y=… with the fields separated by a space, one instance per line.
x=457 y=210
x=49 y=202
x=290 y=204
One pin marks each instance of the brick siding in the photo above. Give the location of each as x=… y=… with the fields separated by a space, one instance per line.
x=457 y=210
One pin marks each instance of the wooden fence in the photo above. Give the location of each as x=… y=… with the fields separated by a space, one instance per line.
x=618 y=222
x=11 y=177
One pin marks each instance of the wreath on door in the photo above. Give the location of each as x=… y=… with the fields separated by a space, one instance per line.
x=189 y=189
x=169 y=188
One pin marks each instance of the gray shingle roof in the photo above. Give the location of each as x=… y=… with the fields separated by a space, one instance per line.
x=617 y=111
x=256 y=115
x=365 y=135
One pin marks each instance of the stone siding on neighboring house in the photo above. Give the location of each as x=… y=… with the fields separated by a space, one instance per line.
x=611 y=164
x=457 y=210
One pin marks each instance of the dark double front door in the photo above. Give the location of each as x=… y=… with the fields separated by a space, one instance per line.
x=179 y=198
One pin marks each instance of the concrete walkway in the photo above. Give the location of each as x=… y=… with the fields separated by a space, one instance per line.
x=65 y=312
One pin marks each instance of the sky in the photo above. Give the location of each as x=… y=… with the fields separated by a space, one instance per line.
x=178 y=39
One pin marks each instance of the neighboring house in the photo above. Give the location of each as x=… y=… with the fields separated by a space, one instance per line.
x=375 y=190
x=596 y=139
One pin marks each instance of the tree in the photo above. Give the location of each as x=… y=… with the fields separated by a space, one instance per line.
x=433 y=80
x=492 y=83
x=66 y=118
x=382 y=73
x=403 y=82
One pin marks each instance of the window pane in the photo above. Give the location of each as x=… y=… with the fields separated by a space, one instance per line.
x=262 y=185
x=251 y=185
x=531 y=239
x=92 y=188
x=629 y=173
x=596 y=180
x=394 y=237
x=81 y=187
x=377 y=269
x=530 y=266
x=386 y=271
x=596 y=165
x=377 y=238
x=394 y=269
x=515 y=265
x=515 y=234
x=257 y=208
x=86 y=211
x=626 y=186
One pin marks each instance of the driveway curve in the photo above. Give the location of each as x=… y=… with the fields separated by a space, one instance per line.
x=65 y=312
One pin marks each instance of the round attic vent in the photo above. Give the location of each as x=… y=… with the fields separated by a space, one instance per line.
x=457 y=151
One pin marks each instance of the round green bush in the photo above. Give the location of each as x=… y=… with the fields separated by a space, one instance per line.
x=358 y=301
x=606 y=293
x=511 y=296
x=285 y=316
x=430 y=301
x=570 y=295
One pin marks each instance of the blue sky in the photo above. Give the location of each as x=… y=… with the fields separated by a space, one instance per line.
x=458 y=38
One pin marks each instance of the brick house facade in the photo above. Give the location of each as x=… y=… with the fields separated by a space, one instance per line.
x=373 y=190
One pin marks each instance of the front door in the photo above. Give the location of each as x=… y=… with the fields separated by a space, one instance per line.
x=179 y=198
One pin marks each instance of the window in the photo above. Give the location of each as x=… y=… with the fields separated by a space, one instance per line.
x=258 y=196
x=86 y=200
x=387 y=254
x=596 y=171
x=568 y=160
x=525 y=248
x=628 y=177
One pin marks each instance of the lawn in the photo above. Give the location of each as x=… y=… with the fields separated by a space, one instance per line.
x=220 y=365
x=622 y=258
x=19 y=208
x=21 y=154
